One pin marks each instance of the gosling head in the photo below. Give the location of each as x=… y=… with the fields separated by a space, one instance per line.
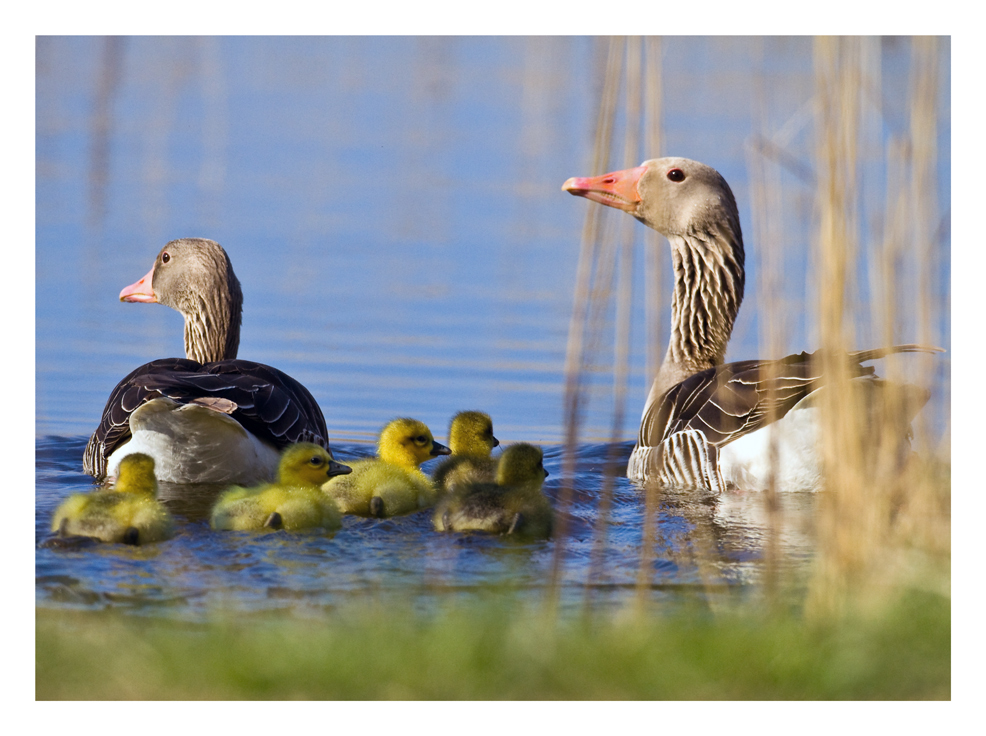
x=471 y=433
x=136 y=475
x=308 y=464
x=408 y=443
x=521 y=464
x=675 y=196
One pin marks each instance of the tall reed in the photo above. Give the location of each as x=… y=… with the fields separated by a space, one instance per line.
x=873 y=483
x=881 y=504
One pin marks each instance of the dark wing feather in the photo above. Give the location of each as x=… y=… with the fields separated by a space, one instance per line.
x=124 y=399
x=269 y=403
x=734 y=399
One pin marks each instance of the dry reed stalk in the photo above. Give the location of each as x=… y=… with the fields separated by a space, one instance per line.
x=654 y=303
x=765 y=190
x=875 y=503
x=624 y=304
x=924 y=205
x=843 y=524
x=584 y=311
x=922 y=514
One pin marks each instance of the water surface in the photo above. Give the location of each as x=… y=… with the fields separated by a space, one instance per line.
x=392 y=208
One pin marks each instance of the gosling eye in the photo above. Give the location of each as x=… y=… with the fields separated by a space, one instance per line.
x=165 y=257
x=676 y=175
x=421 y=440
x=316 y=461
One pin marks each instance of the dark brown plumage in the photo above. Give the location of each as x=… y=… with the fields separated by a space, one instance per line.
x=251 y=403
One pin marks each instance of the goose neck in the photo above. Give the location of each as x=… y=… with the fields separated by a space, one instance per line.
x=708 y=289
x=212 y=329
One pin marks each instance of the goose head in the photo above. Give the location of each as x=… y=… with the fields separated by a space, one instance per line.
x=136 y=475
x=521 y=464
x=408 y=443
x=195 y=277
x=693 y=207
x=307 y=464
x=471 y=433
x=675 y=196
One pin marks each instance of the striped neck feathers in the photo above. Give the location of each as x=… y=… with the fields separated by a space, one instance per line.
x=212 y=322
x=709 y=279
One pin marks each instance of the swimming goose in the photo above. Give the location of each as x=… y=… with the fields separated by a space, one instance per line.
x=127 y=513
x=700 y=421
x=470 y=437
x=294 y=501
x=391 y=483
x=206 y=418
x=514 y=504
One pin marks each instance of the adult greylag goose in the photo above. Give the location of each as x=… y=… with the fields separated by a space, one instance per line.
x=206 y=418
x=701 y=419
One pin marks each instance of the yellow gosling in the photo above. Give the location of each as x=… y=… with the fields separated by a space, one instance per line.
x=295 y=501
x=128 y=513
x=471 y=441
x=392 y=483
x=513 y=505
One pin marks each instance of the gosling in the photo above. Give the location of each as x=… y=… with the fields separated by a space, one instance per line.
x=470 y=437
x=513 y=505
x=295 y=501
x=127 y=513
x=391 y=483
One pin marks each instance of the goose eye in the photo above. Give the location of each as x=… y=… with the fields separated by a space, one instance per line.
x=165 y=257
x=421 y=439
x=676 y=175
x=315 y=461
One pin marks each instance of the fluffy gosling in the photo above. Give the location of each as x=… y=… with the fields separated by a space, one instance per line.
x=128 y=513
x=392 y=483
x=471 y=440
x=295 y=501
x=514 y=504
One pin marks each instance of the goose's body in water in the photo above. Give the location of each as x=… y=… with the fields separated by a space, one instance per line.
x=208 y=417
x=704 y=423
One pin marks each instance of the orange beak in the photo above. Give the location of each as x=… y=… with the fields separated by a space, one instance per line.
x=618 y=189
x=142 y=291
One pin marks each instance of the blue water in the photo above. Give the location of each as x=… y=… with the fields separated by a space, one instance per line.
x=200 y=570
x=392 y=208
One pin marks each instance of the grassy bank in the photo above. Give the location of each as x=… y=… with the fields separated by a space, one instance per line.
x=492 y=652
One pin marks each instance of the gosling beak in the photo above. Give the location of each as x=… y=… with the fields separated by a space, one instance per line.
x=437 y=449
x=142 y=291
x=496 y=442
x=337 y=469
x=617 y=189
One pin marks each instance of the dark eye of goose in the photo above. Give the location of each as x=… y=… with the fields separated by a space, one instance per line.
x=421 y=439
x=315 y=462
x=676 y=175
x=165 y=257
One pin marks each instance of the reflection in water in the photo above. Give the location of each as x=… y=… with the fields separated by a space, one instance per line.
x=107 y=86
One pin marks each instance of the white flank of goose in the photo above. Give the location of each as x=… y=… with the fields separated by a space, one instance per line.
x=206 y=418
x=700 y=424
